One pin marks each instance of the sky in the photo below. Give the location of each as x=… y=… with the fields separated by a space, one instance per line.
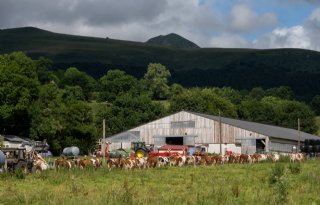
x=208 y=23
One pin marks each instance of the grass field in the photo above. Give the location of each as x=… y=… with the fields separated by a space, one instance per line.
x=227 y=184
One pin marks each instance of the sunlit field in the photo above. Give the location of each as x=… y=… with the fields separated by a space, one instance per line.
x=264 y=183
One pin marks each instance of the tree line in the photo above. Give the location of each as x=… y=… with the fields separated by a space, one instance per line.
x=66 y=107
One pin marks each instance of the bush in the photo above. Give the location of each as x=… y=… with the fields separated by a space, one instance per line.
x=295 y=168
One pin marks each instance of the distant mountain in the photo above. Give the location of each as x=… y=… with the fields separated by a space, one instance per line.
x=237 y=68
x=173 y=40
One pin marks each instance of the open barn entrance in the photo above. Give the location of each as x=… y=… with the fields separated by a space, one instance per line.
x=260 y=145
x=174 y=140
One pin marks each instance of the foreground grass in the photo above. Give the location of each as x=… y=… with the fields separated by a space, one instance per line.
x=228 y=184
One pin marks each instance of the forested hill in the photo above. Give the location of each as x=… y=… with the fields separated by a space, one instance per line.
x=238 y=68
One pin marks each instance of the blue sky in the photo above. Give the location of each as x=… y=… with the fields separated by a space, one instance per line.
x=208 y=23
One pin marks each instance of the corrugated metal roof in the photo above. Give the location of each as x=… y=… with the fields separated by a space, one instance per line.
x=268 y=130
x=14 y=138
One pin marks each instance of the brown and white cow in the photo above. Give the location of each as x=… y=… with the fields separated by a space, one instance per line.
x=299 y=157
x=63 y=163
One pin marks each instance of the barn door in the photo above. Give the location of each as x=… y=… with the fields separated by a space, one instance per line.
x=248 y=146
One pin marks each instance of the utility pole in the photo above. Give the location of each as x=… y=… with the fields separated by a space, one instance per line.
x=220 y=133
x=299 y=135
x=103 y=142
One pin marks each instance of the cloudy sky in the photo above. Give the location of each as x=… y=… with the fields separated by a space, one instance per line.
x=208 y=23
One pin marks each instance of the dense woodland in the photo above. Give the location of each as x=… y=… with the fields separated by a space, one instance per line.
x=66 y=106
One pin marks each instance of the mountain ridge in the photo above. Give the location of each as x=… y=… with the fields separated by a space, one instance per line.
x=173 y=40
x=238 y=68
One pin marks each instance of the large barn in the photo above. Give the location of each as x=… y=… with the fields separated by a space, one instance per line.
x=216 y=134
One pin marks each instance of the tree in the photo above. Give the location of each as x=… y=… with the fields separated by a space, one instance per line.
x=156 y=80
x=79 y=128
x=74 y=77
x=283 y=92
x=204 y=101
x=128 y=111
x=116 y=83
x=276 y=111
x=315 y=104
x=48 y=117
x=18 y=88
x=43 y=66
x=176 y=89
x=72 y=93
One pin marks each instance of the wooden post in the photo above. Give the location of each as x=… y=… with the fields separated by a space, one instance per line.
x=299 y=136
x=103 y=141
x=220 y=133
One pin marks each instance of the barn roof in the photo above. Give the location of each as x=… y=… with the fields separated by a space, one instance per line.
x=268 y=130
x=14 y=138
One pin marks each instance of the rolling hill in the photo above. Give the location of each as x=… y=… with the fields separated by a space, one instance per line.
x=238 y=68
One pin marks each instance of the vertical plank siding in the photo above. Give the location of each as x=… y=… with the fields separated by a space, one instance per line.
x=206 y=130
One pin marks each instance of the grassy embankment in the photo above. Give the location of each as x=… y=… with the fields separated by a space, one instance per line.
x=227 y=184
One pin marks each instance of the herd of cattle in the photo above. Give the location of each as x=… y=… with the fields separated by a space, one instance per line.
x=153 y=161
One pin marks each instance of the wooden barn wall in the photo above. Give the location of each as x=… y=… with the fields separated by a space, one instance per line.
x=207 y=130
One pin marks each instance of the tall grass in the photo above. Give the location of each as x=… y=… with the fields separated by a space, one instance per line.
x=227 y=184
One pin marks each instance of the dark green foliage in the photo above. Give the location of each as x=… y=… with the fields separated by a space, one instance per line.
x=237 y=68
x=203 y=101
x=47 y=116
x=18 y=88
x=315 y=104
x=272 y=110
x=156 y=80
x=74 y=77
x=129 y=111
x=115 y=83
x=79 y=129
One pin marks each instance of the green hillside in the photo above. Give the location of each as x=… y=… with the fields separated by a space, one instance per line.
x=238 y=68
x=172 y=40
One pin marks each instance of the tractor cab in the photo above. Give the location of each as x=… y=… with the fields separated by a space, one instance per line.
x=141 y=149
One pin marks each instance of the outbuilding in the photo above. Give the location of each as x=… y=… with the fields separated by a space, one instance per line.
x=216 y=134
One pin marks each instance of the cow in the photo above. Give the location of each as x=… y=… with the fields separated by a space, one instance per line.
x=234 y=158
x=191 y=160
x=141 y=162
x=128 y=163
x=244 y=158
x=63 y=163
x=275 y=157
x=114 y=163
x=152 y=161
x=263 y=157
x=39 y=163
x=296 y=157
x=163 y=161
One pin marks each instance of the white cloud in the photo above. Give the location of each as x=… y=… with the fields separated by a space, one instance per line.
x=243 y=19
x=304 y=36
x=229 y=41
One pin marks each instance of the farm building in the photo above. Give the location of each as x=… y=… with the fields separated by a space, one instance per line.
x=216 y=134
x=13 y=141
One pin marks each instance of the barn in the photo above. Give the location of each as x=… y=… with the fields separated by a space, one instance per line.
x=216 y=134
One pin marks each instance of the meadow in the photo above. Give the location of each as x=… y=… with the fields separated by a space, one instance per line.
x=264 y=183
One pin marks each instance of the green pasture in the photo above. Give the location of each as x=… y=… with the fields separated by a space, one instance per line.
x=265 y=183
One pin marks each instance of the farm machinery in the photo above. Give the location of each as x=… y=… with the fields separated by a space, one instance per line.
x=18 y=158
x=142 y=150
